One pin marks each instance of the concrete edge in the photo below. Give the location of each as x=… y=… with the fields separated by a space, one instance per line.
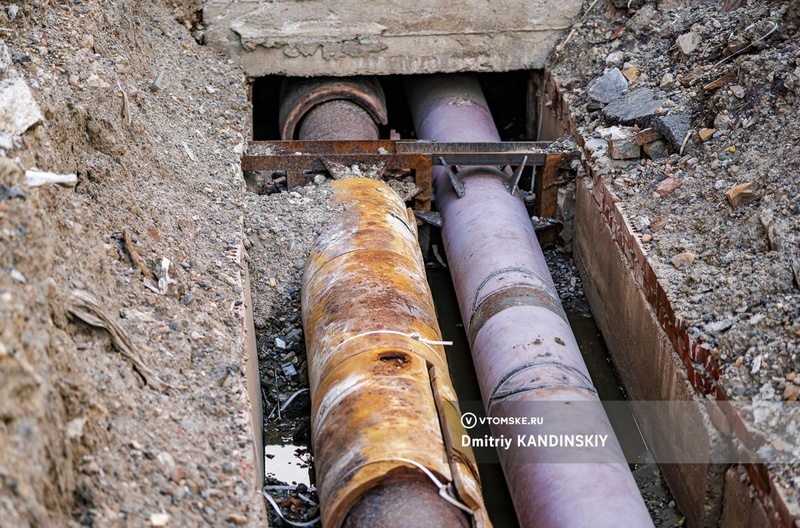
x=249 y=356
x=647 y=365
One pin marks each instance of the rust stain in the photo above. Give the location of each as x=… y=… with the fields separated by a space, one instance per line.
x=379 y=392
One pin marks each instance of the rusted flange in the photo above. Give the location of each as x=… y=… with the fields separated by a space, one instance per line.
x=299 y=96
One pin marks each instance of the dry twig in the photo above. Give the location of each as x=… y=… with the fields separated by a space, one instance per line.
x=135 y=258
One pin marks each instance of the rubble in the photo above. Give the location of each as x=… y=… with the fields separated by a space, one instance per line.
x=742 y=194
x=610 y=87
x=19 y=111
x=633 y=107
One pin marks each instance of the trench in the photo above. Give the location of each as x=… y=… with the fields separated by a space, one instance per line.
x=287 y=456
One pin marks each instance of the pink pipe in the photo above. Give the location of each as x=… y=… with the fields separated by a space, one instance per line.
x=526 y=357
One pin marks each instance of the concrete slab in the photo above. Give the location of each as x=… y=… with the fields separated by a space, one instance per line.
x=741 y=508
x=632 y=332
x=309 y=38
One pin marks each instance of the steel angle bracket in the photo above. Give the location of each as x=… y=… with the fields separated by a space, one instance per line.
x=457 y=179
x=300 y=159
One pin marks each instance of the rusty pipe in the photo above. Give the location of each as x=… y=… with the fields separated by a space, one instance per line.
x=383 y=414
x=382 y=401
x=525 y=355
x=300 y=96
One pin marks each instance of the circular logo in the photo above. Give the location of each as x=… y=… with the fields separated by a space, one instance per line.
x=469 y=420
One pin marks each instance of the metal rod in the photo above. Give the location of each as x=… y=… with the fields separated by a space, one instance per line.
x=525 y=355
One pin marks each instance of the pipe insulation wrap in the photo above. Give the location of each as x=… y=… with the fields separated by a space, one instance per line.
x=382 y=400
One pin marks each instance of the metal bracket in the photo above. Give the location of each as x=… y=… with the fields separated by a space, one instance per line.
x=456 y=178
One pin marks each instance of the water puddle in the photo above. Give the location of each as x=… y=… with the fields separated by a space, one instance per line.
x=288 y=463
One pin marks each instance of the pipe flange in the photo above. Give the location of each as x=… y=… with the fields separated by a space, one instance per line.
x=298 y=96
x=457 y=178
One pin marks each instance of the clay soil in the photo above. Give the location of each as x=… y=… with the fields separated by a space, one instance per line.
x=160 y=231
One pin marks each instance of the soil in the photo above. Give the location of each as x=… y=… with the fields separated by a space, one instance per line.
x=153 y=123
x=85 y=441
x=729 y=264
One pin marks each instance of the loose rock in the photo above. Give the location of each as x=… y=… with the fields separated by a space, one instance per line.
x=742 y=194
x=682 y=260
x=610 y=87
x=633 y=107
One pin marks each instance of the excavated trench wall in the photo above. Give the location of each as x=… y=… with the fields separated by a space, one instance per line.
x=623 y=293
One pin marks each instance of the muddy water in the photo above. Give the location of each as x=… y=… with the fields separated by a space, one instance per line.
x=595 y=355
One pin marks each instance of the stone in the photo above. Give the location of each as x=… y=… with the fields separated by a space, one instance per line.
x=773 y=231
x=673 y=127
x=610 y=87
x=656 y=149
x=706 y=133
x=667 y=81
x=5 y=57
x=668 y=185
x=75 y=428
x=166 y=461
x=791 y=392
x=648 y=135
x=742 y=194
x=737 y=91
x=624 y=148
x=634 y=107
x=621 y=142
x=615 y=58
x=647 y=238
x=722 y=121
x=688 y=42
x=18 y=109
x=682 y=260
x=237 y=519
x=159 y=519
x=94 y=81
x=632 y=74
x=87 y=41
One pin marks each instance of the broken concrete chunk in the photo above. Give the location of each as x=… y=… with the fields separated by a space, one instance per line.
x=656 y=149
x=610 y=87
x=673 y=127
x=633 y=107
x=742 y=194
x=18 y=109
x=621 y=142
x=688 y=42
